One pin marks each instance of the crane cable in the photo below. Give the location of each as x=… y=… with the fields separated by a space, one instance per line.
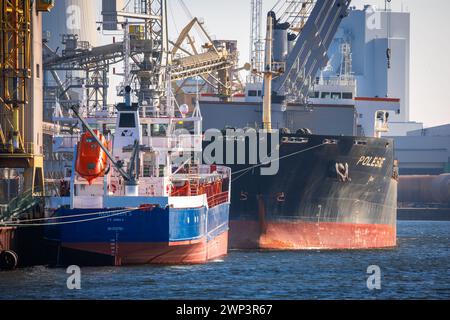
x=125 y=7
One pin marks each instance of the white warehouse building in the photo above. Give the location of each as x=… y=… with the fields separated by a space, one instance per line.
x=380 y=58
x=425 y=151
x=380 y=54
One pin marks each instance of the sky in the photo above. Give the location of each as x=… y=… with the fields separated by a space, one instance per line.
x=430 y=44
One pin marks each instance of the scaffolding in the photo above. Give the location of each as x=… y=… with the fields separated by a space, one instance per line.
x=18 y=148
x=15 y=72
x=256 y=42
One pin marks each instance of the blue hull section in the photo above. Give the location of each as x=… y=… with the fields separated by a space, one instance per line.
x=157 y=225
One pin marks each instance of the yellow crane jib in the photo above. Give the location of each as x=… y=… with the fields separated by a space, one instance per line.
x=45 y=5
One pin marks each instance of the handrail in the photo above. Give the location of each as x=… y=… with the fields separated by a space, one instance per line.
x=217 y=199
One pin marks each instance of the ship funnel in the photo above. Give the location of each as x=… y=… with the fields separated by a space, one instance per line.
x=128 y=96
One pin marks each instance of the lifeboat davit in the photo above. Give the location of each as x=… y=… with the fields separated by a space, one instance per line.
x=91 y=160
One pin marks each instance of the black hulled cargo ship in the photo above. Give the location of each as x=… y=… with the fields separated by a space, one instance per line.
x=330 y=192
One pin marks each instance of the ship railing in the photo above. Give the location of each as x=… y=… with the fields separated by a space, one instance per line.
x=218 y=198
x=210 y=169
x=64 y=143
x=348 y=81
x=27 y=148
x=224 y=171
x=187 y=141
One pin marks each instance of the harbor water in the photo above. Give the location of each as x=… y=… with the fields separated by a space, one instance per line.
x=418 y=268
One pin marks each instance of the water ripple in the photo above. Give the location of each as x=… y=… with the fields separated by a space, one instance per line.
x=416 y=269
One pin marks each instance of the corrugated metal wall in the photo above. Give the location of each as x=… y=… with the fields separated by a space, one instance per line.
x=73 y=17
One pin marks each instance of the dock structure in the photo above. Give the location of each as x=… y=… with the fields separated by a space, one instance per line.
x=21 y=112
x=21 y=106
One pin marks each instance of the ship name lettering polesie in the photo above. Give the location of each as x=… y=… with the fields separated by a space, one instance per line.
x=376 y=162
x=186 y=310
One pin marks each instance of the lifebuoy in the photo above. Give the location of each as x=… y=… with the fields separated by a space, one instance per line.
x=8 y=260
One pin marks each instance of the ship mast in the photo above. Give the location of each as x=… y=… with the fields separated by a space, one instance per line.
x=256 y=42
x=268 y=75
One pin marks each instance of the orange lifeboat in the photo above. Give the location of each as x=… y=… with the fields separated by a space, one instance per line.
x=91 y=160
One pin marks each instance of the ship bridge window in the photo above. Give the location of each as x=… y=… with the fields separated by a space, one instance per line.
x=189 y=126
x=314 y=95
x=325 y=95
x=347 y=95
x=159 y=130
x=254 y=93
x=127 y=120
x=144 y=130
x=335 y=95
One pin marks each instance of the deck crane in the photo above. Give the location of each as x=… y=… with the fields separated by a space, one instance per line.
x=183 y=63
x=293 y=59
x=294 y=12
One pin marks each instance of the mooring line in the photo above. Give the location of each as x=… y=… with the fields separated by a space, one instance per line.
x=245 y=171
x=119 y=212
x=6 y=224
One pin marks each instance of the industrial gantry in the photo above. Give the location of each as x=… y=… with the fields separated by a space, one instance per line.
x=21 y=90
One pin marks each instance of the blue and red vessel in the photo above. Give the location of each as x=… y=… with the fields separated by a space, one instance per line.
x=151 y=202
x=154 y=233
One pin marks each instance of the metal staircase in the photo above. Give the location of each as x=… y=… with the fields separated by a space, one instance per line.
x=21 y=205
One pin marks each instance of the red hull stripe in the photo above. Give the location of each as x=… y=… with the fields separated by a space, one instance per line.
x=193 y=252
x=377 y=99
x=184 y=243
x=308 y=235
